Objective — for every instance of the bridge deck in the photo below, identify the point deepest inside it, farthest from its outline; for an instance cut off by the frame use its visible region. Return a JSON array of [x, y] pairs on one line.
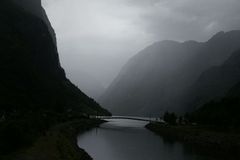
[[145, 119]]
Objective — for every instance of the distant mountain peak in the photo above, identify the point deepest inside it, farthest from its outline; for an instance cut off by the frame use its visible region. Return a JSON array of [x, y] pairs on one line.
[[160, 77], [220, 35], [217, 35]]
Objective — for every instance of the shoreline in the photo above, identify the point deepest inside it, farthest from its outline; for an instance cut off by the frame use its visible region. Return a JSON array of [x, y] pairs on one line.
[[59, 143], [200, 139]]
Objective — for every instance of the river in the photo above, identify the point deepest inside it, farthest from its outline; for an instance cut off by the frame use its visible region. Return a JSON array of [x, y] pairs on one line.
[[129, 140]]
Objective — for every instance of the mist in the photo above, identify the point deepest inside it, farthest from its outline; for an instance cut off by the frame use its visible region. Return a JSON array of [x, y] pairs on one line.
[[96, 38]]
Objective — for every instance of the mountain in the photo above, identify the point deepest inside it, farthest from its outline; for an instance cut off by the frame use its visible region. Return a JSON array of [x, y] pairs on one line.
[[155, 80], [214, 83], [32, 6], [34, 91], [223, 112], [32, 78], [87, 83]]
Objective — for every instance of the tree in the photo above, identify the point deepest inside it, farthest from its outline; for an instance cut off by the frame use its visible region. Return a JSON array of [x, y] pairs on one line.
[[170, 118]]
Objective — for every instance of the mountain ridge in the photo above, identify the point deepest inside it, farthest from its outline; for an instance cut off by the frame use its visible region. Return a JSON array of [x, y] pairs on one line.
[[215, 82], [153, 80]]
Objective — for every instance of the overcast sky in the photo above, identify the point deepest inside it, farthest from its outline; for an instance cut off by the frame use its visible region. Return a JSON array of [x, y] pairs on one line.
[[97, 37]]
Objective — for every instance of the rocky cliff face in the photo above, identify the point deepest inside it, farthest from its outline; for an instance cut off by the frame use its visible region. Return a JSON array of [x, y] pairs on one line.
[[31, 75], [35, 7], [34, 91], [31, 6]]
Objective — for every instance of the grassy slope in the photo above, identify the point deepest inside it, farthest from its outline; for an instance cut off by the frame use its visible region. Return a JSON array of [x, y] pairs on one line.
[[59, 143]]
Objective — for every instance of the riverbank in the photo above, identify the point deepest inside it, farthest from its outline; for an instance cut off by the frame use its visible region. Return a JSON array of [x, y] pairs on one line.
[[203, 139], [59, 143]]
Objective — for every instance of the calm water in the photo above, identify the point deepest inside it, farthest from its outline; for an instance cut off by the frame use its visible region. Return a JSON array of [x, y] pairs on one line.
[[129, 140]]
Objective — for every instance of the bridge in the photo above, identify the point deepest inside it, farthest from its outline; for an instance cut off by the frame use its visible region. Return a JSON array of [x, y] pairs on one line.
[[145, 119]]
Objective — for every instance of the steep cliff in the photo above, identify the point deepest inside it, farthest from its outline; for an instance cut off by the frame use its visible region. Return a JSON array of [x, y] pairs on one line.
[[31, 75], [34, 91]]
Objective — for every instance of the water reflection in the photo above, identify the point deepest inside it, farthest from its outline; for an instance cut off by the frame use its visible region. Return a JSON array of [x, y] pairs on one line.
[[129, 140]]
